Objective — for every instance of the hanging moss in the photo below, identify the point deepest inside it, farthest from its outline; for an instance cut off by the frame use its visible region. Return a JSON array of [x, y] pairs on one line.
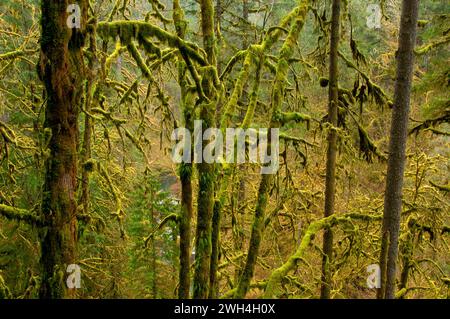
[[373, 90], [367, 147]]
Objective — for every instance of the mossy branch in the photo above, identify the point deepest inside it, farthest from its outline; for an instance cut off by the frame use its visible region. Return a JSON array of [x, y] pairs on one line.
[[241, 80], [240, 55], [248, 118], [377, 92], [443, 188], [15, 54], [172, 217], [114, 55], [294, 139], [430, 123], [258, 285], [140, 61], [274, 287], [139, 30], [432, 45], [286, 117], [20, 215]]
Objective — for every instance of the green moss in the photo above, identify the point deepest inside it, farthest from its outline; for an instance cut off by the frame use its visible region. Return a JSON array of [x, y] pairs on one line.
[[141, 31], [274, 287], [241, 80], [18, 214]]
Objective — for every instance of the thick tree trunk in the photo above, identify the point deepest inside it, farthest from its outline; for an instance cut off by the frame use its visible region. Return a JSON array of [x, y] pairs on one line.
[[203, 245], [330, 184], [60, 63], [397, 149]]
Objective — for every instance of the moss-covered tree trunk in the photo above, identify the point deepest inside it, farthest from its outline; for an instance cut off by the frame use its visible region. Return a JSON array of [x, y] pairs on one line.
[[397, 149], [185, 169], [255, 239], [330, 184], [203, 246], [87, 134], [282, 68], [60, 64], [215, 247]]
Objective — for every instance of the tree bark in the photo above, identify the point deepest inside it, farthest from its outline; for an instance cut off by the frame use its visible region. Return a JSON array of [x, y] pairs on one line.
[[61, 62], [286, 52], [330, 183], [185, 170], [87, 134], [203, 245], [397, 149]]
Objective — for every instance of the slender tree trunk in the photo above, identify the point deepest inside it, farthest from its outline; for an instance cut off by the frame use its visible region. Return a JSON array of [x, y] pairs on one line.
[[215, 239], [217, 208], [89, 100], [203, 245], [407, 256], [245, 12], [185, 170], [255, 239], [185, 232], [60, 63], [397, 149], [242, 168], [238, 209], [330, 184], [286, 53], [153, 245]]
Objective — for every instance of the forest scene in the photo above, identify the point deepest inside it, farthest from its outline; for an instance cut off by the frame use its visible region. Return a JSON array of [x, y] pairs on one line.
[[224, 149]]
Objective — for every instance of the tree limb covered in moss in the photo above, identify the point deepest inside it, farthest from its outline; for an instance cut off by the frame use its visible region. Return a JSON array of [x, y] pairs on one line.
[[377, 92], [138, 30], [15, 54], [273, 289], [20, 215], [282, 68], [424, 49], [427, 124], [286, 117], [444, 188], [258, 285], [172, 217], [294, 139]]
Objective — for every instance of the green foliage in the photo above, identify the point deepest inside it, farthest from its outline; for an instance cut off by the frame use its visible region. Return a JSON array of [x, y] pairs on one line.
[[149, 265]]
